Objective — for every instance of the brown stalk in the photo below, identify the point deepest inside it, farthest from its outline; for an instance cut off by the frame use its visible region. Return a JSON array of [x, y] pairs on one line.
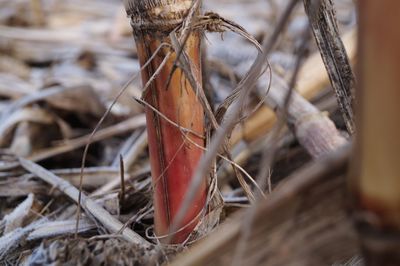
[[375, 182], [323, 22], [173, 158]]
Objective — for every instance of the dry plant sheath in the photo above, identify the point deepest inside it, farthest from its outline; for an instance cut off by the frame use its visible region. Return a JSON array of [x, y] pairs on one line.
[[376, 179], [324, 25], [173, 157]]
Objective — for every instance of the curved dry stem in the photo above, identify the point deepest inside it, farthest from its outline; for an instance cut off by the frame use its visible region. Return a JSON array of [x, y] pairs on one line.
[[234, 164]]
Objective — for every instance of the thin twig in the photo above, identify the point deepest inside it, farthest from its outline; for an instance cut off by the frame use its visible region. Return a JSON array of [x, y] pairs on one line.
[[122, 171], [93, 210]]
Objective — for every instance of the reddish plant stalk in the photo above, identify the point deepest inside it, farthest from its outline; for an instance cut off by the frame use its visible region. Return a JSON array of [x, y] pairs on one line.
[[174, 154]]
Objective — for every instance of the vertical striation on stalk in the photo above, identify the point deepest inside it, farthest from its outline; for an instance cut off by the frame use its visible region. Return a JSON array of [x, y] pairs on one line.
[[174, 154], [375, 181], [323, 22]]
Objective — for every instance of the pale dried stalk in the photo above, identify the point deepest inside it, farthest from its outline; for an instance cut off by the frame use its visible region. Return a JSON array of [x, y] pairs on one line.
[[59, 228], [16, 218], [40, 229], [313, 129], [91, 208]]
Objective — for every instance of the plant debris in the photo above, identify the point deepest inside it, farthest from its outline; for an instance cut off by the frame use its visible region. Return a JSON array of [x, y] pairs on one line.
[[62, 65]]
